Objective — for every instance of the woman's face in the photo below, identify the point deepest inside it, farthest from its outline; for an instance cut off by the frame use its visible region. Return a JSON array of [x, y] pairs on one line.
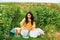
[[29, 15]]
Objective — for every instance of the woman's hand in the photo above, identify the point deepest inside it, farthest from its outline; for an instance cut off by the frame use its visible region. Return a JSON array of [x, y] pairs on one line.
[[21, 29], [30, 29]]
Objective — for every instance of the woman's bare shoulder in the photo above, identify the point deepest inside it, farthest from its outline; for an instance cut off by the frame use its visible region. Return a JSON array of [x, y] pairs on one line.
[[34, 22], [24, 18]]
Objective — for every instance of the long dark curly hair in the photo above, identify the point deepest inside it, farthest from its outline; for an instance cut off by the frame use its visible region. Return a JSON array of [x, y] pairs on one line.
[[32, 18]]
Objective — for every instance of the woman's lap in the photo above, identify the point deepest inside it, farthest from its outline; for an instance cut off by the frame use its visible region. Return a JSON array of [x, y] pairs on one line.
[[33, 33], [36, 32]]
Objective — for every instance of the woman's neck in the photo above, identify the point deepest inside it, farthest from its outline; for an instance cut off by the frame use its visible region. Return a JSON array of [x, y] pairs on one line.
[[29, 19]]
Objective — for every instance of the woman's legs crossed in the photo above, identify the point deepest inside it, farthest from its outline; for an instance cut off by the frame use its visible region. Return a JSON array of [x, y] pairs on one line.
[[36, 32]]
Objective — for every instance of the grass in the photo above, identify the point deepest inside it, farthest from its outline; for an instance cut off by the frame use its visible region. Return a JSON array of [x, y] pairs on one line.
[[51, 33], [21, 38]]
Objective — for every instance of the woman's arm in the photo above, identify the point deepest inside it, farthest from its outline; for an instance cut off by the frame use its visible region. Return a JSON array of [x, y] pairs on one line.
[[33, 26], [22, 23]]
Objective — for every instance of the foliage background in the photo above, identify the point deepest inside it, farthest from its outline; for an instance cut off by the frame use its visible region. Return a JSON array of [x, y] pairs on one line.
[[47, 17]]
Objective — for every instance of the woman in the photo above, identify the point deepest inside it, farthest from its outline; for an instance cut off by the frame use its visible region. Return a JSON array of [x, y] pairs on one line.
[[28, 27]]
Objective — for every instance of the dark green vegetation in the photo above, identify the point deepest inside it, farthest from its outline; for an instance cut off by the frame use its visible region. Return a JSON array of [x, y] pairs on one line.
[[47, 17]]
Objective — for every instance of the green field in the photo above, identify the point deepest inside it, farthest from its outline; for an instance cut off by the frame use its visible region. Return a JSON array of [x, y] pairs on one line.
[[47, 17]]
